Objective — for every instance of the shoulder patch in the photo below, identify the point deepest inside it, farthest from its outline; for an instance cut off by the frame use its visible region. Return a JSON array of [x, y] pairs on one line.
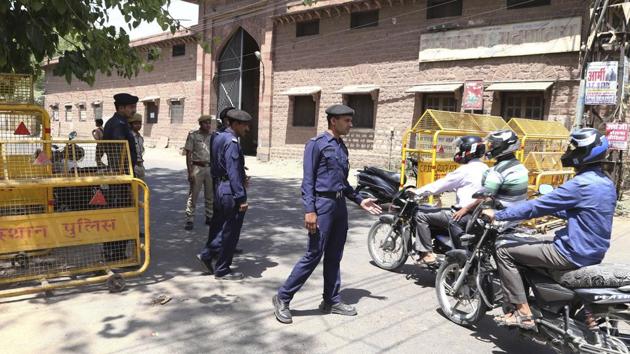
[[234, 140]]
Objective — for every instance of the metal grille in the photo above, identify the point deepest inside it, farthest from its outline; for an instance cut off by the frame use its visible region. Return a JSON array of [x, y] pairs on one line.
[[540, 128], [230, 72], [23, 160], [456, 121], [67, 260], [15, 88], [543, 161], [20, 125], [545, 145]]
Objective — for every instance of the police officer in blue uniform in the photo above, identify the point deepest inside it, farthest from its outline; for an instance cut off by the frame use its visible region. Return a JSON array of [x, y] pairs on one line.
[[324, 189], [230, 195]]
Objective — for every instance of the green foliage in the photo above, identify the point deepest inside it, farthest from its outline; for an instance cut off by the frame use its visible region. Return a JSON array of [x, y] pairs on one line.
[[35, 31]]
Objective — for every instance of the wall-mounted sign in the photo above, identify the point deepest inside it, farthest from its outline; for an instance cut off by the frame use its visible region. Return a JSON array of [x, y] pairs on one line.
[[473, 95], [617, 134], [525, 38], [601, 83]]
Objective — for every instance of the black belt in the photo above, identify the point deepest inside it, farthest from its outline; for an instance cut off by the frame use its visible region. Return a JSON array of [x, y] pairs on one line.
[[201, 164], [330, 195]]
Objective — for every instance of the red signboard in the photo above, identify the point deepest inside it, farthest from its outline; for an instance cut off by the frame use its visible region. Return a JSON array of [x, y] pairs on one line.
[[617, 134], [473, 95]]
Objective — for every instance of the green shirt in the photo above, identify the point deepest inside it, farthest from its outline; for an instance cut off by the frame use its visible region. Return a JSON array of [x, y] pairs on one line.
[[507, 181]]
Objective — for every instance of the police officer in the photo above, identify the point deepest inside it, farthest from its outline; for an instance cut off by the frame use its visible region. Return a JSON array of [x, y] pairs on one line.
[[231, 195], [324, 187], [216, 145], [197, 149], [117, 128]]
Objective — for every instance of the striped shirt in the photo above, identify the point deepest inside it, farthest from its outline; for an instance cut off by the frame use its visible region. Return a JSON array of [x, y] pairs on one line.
[[507, 181]]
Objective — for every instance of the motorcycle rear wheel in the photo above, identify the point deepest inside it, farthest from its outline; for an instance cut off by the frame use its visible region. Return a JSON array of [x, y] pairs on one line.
[[386, 246], [468, 293]]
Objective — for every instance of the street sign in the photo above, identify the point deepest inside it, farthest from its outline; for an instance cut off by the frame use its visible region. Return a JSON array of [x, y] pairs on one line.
[[617, 134], [473, 95], [601, 83]]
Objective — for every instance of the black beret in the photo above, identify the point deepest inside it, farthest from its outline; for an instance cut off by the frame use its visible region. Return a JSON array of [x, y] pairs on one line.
[[237, 114], [125, 98], [223, 113], [339, 110]]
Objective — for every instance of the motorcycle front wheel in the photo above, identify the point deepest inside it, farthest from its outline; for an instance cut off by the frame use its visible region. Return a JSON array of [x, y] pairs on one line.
[[386, 246], [466, 307]]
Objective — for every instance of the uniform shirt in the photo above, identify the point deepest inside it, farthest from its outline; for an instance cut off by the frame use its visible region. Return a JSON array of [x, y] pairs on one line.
[[507, 180], [465, 181], [117, 128], [326, 169], [230, 164], [216, 145], [139, 143], [588, 203], [198, 144]]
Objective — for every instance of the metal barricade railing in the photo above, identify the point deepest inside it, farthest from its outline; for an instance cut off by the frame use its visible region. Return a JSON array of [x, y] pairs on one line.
[[69, 208], [539, 136], [431, 141]]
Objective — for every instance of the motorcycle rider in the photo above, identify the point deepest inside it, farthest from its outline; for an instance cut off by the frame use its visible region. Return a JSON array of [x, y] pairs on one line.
[[588, 203], [507, 180], [465, 181]]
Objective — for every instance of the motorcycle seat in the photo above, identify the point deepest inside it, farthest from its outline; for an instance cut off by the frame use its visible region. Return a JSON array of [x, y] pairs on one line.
[[595, 276], [389, 176]]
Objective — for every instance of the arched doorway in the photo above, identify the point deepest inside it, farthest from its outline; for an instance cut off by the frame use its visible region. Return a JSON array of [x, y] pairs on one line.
[[238, 82]]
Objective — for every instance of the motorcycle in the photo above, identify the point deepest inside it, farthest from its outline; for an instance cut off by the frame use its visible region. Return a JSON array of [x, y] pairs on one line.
[[576, 311], [380, 184], [391, 239]]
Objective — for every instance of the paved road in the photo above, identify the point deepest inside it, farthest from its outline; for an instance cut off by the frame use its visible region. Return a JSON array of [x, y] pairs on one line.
[[397, 311]]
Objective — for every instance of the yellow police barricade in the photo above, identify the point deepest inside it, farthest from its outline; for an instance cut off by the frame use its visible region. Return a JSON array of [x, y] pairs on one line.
[[539, 136], [431, 141], [65, 219]]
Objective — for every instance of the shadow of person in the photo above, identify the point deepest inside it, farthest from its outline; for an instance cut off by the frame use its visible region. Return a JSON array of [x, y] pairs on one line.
[[304, 313], [352, 296], [253, 266]]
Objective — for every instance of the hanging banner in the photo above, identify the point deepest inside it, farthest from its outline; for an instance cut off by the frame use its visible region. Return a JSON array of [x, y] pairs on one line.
[[617, 134], [473, 95], [601, 83]]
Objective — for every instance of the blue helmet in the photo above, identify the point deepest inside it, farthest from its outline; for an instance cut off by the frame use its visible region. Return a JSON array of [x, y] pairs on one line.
[[586, 146]]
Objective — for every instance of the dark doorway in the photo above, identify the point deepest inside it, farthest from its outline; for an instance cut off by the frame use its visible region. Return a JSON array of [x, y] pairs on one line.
[[238, 82]]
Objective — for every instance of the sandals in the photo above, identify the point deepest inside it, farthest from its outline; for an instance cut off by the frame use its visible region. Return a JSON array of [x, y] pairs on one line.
[[421, 260], [516, 320]]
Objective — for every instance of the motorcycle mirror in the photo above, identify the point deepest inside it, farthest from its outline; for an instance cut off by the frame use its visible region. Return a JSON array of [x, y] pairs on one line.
[[72, 135], [545, 189]]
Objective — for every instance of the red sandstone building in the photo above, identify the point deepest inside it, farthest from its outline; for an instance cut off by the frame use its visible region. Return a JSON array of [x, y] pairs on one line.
[[388, 59]]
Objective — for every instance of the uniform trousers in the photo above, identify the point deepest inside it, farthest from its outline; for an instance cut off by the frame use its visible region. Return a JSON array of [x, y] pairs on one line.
[[327, 242], [230, 220], [202, 179]]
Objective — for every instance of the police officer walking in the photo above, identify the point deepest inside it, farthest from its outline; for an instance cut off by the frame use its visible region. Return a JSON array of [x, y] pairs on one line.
[[198, 164], [231, 195], [324, 189]]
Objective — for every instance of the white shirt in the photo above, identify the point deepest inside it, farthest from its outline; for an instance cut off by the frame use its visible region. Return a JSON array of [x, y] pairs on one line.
[[465, 181]]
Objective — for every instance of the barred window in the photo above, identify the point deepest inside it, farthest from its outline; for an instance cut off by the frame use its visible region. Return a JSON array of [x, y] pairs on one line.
[[442, 102], [523, 105], [304, 109], [444, 8], [363, 105], [307, 28], [364, 19], [177, 111]]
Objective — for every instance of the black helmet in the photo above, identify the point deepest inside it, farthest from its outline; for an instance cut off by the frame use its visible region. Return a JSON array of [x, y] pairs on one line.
[[467, 148], [586, 146], [501, 142]]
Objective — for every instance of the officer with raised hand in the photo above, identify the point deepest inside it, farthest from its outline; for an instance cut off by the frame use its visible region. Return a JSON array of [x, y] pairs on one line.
[[231, 196], [324, 189]]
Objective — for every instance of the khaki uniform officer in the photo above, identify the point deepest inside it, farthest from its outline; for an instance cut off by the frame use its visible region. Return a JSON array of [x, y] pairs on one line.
[[198, 163]]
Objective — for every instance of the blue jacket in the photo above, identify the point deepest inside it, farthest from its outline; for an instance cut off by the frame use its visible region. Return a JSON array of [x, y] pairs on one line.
[[117, 128], [326, 169], [230, 165], [588, 203]]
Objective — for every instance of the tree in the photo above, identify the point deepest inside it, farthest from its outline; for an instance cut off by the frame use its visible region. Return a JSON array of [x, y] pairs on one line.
[[75, 32]]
